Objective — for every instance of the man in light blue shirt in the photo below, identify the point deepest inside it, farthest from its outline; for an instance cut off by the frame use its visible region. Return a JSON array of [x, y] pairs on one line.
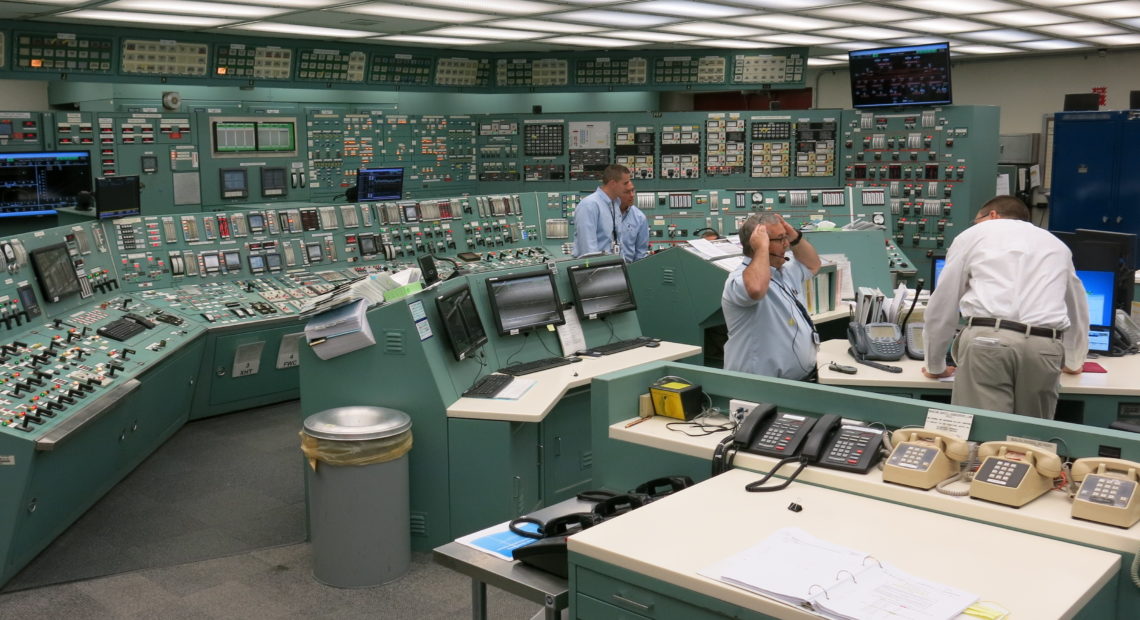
[[769, 330], [607, 218]]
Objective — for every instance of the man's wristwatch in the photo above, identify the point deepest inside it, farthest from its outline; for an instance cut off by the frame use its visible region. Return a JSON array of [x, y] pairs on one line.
[[799, 237]]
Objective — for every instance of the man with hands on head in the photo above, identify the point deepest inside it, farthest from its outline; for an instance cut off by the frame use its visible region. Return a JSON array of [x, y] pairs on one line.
[[770, 332]]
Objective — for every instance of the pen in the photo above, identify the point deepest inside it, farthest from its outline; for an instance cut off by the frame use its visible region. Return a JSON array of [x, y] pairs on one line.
[[637, 421]]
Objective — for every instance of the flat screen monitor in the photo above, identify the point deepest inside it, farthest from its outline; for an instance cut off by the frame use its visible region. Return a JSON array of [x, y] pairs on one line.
[[117, 197], [1134, 100], [1102, 250], [524, 301], [461, 321], [898, 76], [55, 272], [937, 264], [374, 184], [1082, 102], [601, 289], [235, 182], [1099, 288], [40, 183]]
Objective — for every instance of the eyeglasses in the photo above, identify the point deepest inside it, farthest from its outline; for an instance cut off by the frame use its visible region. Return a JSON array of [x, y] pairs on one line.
[[780, 239]]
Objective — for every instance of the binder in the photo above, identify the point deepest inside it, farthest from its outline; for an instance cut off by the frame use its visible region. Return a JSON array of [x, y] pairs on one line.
[[340, 331]]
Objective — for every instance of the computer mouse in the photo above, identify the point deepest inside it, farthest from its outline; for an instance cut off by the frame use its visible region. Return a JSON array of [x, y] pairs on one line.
[[653, 344]]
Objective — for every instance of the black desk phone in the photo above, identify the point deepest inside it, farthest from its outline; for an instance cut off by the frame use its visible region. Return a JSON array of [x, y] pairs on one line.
[[876, 341]]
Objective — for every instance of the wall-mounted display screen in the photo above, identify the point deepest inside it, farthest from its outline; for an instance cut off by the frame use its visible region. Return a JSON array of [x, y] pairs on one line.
[[896, 76], [374, 184], [117, 197], [600, 290], [40, 183], [55, 272], [235, 182], [235, 136], [524, 301]]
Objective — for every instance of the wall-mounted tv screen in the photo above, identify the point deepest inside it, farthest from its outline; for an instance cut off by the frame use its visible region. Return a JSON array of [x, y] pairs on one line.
[[117, 197], [461, 321], [601, 289], [898, 76], [40, 183], [524, 301], [374, 184]]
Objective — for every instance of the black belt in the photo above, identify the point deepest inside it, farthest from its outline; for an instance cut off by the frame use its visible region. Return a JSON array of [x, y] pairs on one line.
[[1047, 332]]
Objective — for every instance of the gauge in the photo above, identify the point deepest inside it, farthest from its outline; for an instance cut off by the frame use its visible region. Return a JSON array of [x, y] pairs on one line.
[[878, 218], [757, 197]]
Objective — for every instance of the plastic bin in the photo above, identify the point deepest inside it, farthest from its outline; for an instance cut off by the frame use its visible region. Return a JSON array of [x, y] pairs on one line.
[[359, 520]]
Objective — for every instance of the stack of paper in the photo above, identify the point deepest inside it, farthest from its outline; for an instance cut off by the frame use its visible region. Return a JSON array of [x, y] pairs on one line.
[[339, 331]]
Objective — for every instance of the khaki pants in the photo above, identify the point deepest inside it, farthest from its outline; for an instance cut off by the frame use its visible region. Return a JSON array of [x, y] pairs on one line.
[[1008, 371]]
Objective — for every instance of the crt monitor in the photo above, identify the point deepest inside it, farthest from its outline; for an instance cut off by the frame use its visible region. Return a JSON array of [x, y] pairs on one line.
[[461, 322], [55, 272], [524, 301], [39, 183], [374, 184], [1102, 250], [117, 197], [601, 289], [1099, 288], [903, 75]]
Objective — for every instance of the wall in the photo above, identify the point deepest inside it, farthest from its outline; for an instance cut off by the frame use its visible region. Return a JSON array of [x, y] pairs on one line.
[[23, 95], [1024, 88]]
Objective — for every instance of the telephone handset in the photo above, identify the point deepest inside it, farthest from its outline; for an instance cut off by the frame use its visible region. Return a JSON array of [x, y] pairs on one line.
[[915, 345], [1013, 473], [764, 431], [922, 458], [1108, 492]]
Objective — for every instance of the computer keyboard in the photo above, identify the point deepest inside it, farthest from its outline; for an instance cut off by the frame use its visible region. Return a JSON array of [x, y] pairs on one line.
[[620, 345], [488, 386], [526, 368], [120, 329]]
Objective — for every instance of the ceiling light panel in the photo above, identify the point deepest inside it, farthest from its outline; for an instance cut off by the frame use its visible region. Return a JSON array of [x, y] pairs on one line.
[[713, 29], [542, 26], [867, 13], [1060, 3], [613, 18], [415, 38], [1117, 39], [789, 5], [650, 36], [1082, 29], [414, 12], [868, 33], [945, 25], [212, 9], [1024, 18], [791, 38], [300, 4], [590, 41], [304, 30], [505, 34], [685, 8], [734, 44], [960, 7], [1049, 44], [796, 23], [982, 49], [510, 7], [147, 18], [1001, 36], [855, 45], [1108, 10], [824, 62]]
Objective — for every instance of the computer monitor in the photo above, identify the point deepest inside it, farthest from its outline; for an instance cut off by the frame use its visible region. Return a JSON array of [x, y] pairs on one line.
[[117, 197], [461, 321], [601, 289], [936, 265], [1102, 250], [1082, 102], [904, 75], [40, 183], [524, 301], [374, 184], [55, 272], [1134, 100], [1099, 289]]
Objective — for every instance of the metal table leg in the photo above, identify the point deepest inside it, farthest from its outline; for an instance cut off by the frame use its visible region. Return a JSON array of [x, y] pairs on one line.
[[478, 600], [552, 612]]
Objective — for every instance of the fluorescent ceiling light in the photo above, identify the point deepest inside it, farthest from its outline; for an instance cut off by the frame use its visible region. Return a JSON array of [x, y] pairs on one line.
[[798, 39], [510, 7], [304, 30], [789, 4], [212, 9], [590, 41], [1058, 2], [486, 33], [541, 25], [414, 12], [1108, 10], [1082, 29], [869, 33], [855, 45], [982, 49], [945, 25], [589, 1], [733, 44], [147, 18], [1001, 36], [916, 41], [305, 4], [960, 7], [824, 62], [1024, 18], [613, 18], [1118, 39], [797, 23], [1135, 23], [56, 1], [1049, 44], [649, 35], [868, 13], [714, 29], [685, 8], [415, 38]]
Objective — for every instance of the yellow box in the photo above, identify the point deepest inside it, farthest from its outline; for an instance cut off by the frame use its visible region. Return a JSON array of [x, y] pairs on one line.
[[676, 399]]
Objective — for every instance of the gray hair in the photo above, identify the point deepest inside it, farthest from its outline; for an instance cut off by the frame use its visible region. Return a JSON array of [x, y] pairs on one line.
[[749, 226]]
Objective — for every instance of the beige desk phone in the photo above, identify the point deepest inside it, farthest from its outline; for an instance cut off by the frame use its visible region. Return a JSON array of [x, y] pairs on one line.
[[1108, 492], [1013, 473], [922, 458]]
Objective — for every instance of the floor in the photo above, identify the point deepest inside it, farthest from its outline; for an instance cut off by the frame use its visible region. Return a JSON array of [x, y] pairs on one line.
[[212, 526]]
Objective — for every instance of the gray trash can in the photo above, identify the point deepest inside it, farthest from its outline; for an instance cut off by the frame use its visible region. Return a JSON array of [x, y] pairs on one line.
[[357, 477]]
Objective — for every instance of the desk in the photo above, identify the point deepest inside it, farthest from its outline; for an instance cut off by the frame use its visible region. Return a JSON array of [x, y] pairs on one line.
[[646, 561], [1103, 394]]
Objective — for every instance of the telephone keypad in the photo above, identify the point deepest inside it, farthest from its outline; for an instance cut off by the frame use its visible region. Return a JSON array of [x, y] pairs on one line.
[[853, 449], [1002, 472], [910, 456], [1108, 491], [780, 434]]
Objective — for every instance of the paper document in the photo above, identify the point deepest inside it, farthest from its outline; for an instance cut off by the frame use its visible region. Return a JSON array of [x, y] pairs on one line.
[[570, 334], [498, 540], [515, 389]]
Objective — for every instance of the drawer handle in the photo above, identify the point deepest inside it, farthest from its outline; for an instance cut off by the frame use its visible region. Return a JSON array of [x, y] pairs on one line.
[[621, 599]]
